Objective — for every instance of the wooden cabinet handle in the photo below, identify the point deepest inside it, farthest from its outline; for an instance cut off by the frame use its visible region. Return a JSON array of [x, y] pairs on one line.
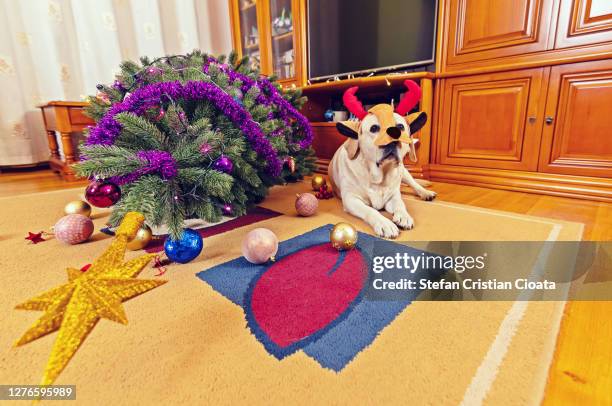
[[532, 119], [549, 120]]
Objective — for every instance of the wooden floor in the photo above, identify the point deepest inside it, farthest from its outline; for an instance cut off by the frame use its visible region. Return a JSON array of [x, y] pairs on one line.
[[581, 373]]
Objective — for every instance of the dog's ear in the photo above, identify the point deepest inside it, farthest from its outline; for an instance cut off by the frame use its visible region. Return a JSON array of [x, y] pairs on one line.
[[348, 129], [412, 151], [352, 147], [416, 121]]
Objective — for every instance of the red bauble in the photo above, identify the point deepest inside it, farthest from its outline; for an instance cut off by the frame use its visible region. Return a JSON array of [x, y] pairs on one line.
[[102, 194]]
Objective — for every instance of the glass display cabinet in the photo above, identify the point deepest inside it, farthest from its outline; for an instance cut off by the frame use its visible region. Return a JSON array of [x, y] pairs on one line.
[[272, 33]]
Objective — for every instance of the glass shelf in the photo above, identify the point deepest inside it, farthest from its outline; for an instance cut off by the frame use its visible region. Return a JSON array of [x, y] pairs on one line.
[[283, 47], [249, 29]]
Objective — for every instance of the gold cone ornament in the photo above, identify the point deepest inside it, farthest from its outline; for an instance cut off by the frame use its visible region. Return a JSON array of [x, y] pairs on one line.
[[74, 308]]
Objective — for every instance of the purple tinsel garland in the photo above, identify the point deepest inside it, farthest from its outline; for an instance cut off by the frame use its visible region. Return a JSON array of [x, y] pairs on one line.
[[161, 162], [285, 109], [108, 129]]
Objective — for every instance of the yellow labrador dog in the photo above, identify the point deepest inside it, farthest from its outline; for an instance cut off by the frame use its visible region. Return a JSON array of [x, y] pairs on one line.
[[367, 171]]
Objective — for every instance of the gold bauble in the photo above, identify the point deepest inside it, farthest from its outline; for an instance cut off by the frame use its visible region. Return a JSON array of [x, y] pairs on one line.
[[143, 237], [78, 207], [343, 236], [317, 182]]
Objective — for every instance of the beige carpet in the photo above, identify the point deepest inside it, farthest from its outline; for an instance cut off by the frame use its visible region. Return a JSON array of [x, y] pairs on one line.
[[187, 344]]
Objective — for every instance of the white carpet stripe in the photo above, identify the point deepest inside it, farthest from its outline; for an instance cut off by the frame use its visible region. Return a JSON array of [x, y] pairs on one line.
[[487, 371]]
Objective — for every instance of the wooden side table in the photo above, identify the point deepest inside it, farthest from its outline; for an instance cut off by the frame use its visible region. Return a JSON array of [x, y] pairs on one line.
[[64, 117]]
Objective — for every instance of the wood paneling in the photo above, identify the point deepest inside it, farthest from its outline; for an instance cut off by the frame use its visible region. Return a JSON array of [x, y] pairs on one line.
[[588, 188], [578, 137], [484, 29], [492, 121], [483, 36], [584, 22]]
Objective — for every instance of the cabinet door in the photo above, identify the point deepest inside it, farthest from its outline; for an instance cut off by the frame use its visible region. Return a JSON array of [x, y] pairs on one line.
[[488, 29], [246, 16], [584, 22], [577, 136], [493, 120]]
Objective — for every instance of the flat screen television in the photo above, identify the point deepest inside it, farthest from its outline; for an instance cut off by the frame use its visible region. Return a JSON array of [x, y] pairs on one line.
[[360, 36]]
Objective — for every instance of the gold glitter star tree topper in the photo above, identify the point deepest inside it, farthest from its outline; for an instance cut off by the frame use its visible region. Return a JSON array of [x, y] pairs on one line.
[[75, 307]]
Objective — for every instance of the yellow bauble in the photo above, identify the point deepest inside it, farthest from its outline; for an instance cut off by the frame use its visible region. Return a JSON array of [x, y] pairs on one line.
[[143, 237], [343, 236], [317, 182], [78, 207]]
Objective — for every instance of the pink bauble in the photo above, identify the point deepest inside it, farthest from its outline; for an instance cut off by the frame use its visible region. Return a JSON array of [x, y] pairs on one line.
[[259, 246], [102, 194], [73, 229], [306, 204]]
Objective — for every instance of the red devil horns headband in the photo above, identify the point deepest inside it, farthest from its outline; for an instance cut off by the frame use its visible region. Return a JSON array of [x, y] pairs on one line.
[[353, 104], [410, 100]]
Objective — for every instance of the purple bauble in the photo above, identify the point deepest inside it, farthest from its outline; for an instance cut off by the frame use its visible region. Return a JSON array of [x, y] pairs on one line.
[[224, 164], [227, 209], [102, 194]]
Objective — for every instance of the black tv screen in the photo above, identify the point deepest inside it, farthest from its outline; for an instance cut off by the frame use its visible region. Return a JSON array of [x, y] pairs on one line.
[[357, 36]]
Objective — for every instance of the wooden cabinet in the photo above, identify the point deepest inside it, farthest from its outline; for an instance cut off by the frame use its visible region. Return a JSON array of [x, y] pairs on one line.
[[271, 32], [486, 29], [584, 22], [577, 137], [493, 120], [492, 35], [523, 96]]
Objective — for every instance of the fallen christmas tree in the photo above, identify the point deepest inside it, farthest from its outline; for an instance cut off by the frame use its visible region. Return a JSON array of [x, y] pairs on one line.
[[193, 136]]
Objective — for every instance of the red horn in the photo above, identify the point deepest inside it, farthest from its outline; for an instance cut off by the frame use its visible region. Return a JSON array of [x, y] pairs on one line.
[[353, 104], [411, 98]]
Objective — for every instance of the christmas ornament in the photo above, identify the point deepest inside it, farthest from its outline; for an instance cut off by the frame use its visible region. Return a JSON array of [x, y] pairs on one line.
[[102, 194], [224, 164], [154, 70], [227, 209], [78, 207], [317, 182], [117, 85], [328, 115], [75, 307], [186, 248], [306, 204], [343, 236], [160, 115], [35, 238], [324, 192], [259, 246], [143, 237], [73, 229], [290, 163], [205, 148], [103, 97]]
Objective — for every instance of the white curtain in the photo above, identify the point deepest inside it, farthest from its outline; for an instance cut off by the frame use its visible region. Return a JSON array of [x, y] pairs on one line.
[[60, 50]]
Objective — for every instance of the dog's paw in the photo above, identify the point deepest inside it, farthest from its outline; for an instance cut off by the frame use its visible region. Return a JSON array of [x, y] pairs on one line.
[[403, 221], [385, 228], [428, 195]]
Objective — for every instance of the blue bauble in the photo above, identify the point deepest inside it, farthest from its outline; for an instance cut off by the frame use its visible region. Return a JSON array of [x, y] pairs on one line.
[[328, 115], [186, 248]]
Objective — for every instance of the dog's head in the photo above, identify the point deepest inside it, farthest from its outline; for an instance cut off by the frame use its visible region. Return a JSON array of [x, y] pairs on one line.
[[382, 134]]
